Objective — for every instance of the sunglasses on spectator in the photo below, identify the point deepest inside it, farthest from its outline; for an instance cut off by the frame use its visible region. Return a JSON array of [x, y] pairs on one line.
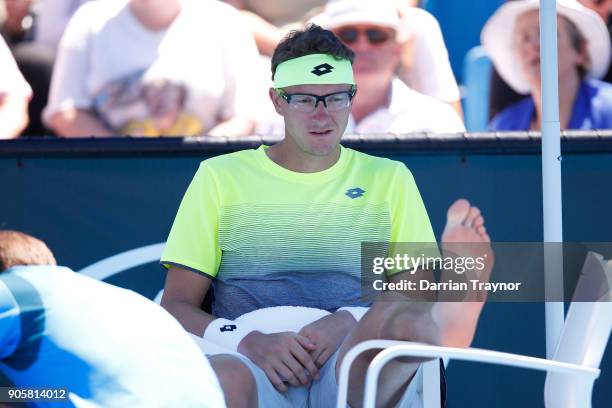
[[375, 36]]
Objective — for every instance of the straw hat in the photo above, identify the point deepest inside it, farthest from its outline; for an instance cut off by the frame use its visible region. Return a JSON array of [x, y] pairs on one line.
[[497, 36]]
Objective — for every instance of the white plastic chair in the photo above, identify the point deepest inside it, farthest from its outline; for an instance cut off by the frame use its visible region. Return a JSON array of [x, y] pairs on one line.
[[571, 373]]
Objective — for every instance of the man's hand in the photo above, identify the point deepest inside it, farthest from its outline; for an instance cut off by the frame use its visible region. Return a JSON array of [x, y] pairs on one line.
[[282, 356], [327, 334]]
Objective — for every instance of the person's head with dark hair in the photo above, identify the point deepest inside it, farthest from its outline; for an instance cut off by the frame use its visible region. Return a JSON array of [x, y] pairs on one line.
[[313, 91], [312, 40], [19, 249]]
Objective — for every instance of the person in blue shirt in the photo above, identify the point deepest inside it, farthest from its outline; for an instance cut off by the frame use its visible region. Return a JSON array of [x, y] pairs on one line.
[[511, 38], [90, 343]]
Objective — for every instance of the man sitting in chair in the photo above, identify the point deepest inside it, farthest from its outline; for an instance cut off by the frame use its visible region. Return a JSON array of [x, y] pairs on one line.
[[283, 226]]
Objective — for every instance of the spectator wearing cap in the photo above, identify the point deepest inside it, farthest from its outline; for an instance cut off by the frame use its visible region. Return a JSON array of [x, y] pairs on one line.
[[155, 68], [15, 93], [383, 102], [511, 37]]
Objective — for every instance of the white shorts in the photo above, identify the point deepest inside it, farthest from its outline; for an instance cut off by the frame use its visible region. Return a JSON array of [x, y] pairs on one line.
[[321, 393]]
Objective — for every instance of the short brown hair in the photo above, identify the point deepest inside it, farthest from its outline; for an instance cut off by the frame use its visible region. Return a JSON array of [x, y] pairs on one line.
[[312, 40], [17, 248]]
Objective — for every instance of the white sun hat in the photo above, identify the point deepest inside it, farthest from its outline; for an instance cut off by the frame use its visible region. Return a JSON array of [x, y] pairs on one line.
[[497, 37], [339, 13]]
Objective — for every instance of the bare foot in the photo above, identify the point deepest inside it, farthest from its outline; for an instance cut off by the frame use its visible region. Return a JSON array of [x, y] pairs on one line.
[[465, 236], [464, 223], [452, 320]]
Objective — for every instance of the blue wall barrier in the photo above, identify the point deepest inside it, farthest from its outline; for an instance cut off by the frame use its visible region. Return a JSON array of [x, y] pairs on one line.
[[92, 199]]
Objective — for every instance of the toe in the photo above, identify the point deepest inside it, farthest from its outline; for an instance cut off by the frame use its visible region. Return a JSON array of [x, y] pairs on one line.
[[473, 213], [478, 222], [458, 212], [481, 230]]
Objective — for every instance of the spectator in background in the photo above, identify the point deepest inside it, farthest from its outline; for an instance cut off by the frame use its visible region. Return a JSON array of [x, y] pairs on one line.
[[106, 346], [424, 65], [19, 21], [15, 94], [511, 37], [604, 9], [53, 17], [383, 102], [114, 54], [271, 20], [20, 30]]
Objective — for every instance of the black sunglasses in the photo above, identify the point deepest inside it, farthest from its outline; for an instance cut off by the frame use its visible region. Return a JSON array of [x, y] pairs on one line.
[[374, 35]]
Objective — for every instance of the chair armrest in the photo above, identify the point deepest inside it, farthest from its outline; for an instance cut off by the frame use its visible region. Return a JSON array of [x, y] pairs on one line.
[[394, 349], [466, 354]]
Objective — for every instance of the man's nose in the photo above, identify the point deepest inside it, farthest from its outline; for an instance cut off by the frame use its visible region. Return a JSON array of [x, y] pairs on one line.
[[320, 110]]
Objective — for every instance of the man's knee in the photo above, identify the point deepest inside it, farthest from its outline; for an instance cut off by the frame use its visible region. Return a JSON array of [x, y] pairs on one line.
[[235, 377]]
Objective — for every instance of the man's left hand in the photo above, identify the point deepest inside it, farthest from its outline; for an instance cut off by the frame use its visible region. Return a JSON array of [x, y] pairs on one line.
[[327, 334]]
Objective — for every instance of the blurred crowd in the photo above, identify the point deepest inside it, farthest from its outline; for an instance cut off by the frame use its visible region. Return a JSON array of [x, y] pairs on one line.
[[80, 68]]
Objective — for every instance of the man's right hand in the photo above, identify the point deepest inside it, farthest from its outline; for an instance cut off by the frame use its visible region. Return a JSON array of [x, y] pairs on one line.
[[282, 356]]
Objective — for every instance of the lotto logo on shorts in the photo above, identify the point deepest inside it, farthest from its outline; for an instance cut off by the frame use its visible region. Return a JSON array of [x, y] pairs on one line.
[[322, 69], [227, 328]]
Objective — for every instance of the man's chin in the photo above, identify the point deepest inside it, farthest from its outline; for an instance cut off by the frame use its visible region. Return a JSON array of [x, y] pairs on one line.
[[322, 150]]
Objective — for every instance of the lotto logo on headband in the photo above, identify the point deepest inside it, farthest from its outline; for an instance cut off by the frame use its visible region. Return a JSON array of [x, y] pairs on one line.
[[313, 69], [322, 69]]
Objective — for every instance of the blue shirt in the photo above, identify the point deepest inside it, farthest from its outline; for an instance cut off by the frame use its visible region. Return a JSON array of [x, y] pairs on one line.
[[592, 110], [109, 347]]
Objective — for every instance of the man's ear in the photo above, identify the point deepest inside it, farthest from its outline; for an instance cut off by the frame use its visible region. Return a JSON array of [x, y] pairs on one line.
[[277, 101]]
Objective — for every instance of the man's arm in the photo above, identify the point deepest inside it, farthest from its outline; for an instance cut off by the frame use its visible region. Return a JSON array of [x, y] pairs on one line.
[[13, 115], [236, 126], [10, 322], [15, 94], [282, 356], [183, 294], [78, 123], [267, 36]]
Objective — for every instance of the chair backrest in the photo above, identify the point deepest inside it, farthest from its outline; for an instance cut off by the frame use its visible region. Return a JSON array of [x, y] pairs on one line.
[[476, 86], [584, 337]]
